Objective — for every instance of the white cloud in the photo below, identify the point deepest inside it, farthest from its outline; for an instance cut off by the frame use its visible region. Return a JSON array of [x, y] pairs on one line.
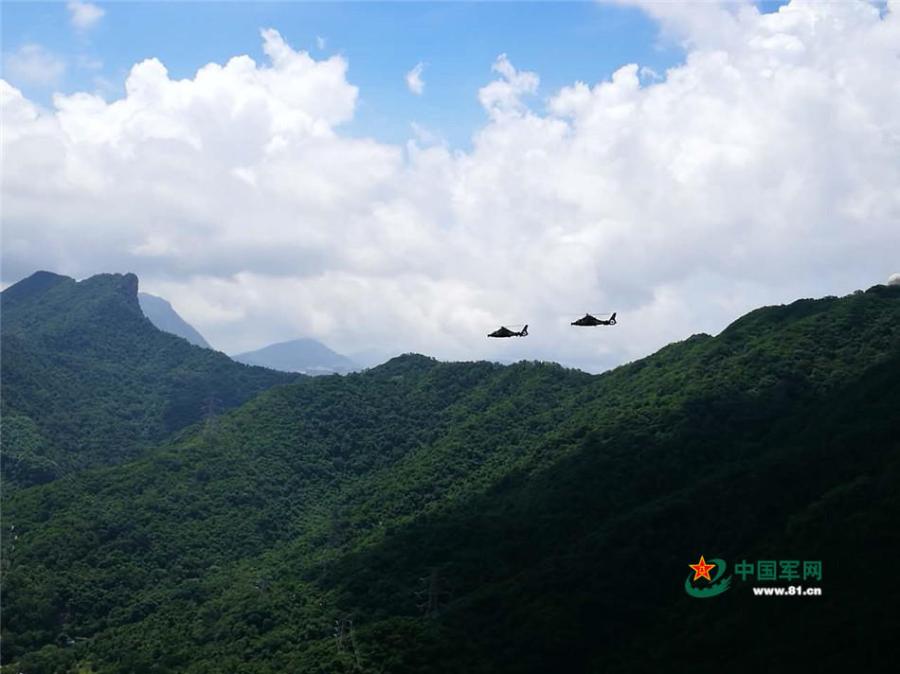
[[762, 169], [710, 24], [504, 96], [321, 42], [414, 80], [894, 280], [84, 15], [32, 64]]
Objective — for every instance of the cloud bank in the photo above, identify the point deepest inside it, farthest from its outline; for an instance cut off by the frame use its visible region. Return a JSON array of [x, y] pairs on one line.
[[763, 168]]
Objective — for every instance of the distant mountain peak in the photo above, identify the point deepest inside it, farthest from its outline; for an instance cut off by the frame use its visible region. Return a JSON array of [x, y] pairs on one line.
[[165, 318], [304, 354]]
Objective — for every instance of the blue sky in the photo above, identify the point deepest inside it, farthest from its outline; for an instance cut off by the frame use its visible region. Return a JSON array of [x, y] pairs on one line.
[[458, 42]]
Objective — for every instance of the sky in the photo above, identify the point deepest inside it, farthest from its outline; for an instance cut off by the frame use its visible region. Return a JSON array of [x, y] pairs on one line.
[[394, 177], [455, 43]]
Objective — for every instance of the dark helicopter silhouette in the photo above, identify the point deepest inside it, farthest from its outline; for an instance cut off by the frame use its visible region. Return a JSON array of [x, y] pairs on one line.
[[589, 321], [506, 332]]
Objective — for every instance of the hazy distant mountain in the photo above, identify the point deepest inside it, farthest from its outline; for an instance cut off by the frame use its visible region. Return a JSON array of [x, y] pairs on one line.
[[164, 317], [299, 355]]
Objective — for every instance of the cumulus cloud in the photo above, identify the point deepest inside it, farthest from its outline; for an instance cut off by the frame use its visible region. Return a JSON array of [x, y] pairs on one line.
[[894, 280], [414, 81], [762, 169], [33, 65], [84, 15]]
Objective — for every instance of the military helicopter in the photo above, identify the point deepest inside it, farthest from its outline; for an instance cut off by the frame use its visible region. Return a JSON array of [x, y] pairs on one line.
[[588, 321], [503, 331]]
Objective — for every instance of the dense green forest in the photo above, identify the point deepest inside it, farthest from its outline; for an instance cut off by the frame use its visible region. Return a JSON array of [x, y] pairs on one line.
[[88, 381], [471, 517]]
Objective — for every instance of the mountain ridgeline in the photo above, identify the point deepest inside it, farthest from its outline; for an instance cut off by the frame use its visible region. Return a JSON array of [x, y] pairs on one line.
[[472, 517], [87, 380]]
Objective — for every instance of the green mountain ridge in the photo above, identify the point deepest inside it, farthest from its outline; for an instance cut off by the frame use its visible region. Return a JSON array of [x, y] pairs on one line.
[[87, 379], [445, 517]]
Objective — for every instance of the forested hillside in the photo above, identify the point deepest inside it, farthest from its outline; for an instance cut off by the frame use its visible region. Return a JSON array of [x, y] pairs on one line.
[[87, 380], [472, 517]]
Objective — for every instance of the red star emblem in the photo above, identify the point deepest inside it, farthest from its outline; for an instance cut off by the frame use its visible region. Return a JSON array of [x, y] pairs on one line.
[[702, 569]]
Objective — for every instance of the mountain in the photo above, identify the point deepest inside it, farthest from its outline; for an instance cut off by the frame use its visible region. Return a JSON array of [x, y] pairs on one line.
[[87, 380], [473, 517], [164, 317], [299, 355]]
